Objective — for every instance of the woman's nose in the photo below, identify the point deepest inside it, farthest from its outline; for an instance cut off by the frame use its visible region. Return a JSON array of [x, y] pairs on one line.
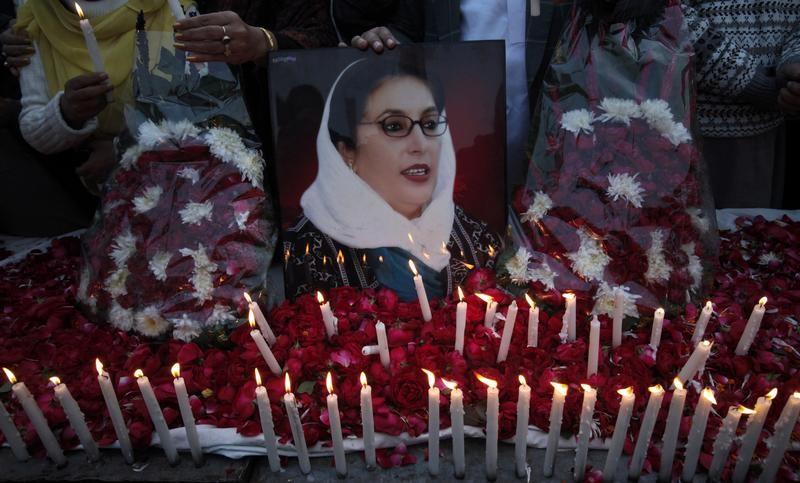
[[416, 140]]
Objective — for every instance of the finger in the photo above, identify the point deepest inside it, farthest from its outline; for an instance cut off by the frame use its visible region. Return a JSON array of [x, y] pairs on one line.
[[359, 42], [342, 44], [87, 80], [14, 71], [200, 58], [794, 88], [792, 71], [209, 48], [217, 18], [211, 32], [9, 38], [18, 50], [92, 92], [374, 41], [18, 62], [386, 37]]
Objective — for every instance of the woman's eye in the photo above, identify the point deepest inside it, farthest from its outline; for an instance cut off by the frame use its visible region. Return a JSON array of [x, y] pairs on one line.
[[393, 126], [430, 124]]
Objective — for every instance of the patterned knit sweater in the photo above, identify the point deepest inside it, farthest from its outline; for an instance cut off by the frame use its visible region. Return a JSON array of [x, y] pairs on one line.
[[740, 47]]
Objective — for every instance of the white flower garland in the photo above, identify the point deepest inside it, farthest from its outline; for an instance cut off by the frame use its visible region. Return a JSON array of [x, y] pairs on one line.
[[226, 145], [626, 187], [590, 261], [542, 203], [767, 258], [695, 265], [191, 174], [120, 317], [158, 265], [241, 219], [545, 275], [578, 121], [517, 266], [149, 322], [220, 315], [604, 301], [202, 280], [148, 199], [185, 329], [195, 213], [619, 110], [658, 270]]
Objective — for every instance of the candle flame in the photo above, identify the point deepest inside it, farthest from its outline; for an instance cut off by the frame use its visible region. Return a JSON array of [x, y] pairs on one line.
[[678, 384], [138, 373], [320, 298], [491, 251], [10, 375], [364, 259], [329, 382], [306, 249], [251, 318], [530, 301], [522, 381], [486, 298], [363, 379], [287, 384], [660, 311], [79, 11], [706, 343], [425, 255], [258, 376], [99, 366], [431, 378], [444, 248], [413, 267], [380, 258], [762, 302], [340, 257], [55, 380], [411, 238], [247, 297], [460, 294], [489, 382], [625, 392], [587, 387], [708, 306], [709, 394], [657, 389], [449, 384], [745, 410], [569, 296], [559, 388], [796, 395], [773, 393], [176, 370]]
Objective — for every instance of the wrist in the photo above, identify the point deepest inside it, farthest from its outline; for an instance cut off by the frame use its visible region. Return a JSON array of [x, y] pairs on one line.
[[260, 43], [71, 121]]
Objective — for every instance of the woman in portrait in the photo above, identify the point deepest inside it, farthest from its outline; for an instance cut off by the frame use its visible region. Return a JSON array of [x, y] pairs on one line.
[[383, 194]]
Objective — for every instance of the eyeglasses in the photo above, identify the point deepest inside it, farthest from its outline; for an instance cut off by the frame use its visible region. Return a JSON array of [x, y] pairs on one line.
[[400, 126]]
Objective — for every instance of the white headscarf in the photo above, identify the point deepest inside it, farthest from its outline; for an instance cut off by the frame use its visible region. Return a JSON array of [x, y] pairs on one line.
[[346, 208]]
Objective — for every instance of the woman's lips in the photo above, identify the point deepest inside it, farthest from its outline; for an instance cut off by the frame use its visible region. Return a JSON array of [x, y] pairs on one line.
[[418, 173]]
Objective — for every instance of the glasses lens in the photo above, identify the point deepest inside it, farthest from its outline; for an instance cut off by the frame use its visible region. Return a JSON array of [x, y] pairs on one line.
[[433, 125], [397, 126]]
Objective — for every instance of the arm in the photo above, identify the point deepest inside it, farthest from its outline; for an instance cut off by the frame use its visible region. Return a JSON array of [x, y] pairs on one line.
[[304, 25]]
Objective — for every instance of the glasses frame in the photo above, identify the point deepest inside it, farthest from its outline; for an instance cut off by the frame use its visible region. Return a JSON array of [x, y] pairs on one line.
[[382, 124]]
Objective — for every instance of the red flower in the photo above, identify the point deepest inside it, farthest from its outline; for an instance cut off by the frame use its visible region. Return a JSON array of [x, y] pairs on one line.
[[409, 389]]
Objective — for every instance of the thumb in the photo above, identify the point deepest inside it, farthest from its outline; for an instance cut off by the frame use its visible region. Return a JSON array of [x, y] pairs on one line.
[[792, 70]]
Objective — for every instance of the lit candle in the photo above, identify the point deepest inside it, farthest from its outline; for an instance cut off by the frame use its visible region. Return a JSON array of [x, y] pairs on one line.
[[584, 431], [492, 428], [433, 424], [91, 44], [36, 418], [367, 422], [594, 346], [508, 332], [724, 439], [267, 425], [299, 438], [12, 435], [336, 428], [620, 433], [260, 319], [751, 329], [697, 433], [533, 322], [327, 316], [556, 415], [646, 429], [781, 437], [114, 412], [186, 415], [617, 316], [658, 323], [383, 344], [156, 416], [461, 322], [457, 427], [521, 436], [696, 361], [670, 438], [76, 418], [177, 10], [421, 295], [263, 347], [702, 323], [752, 433], [491, 309]]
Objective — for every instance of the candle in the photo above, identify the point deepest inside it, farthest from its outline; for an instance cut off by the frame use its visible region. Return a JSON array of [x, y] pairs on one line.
[[298, 436], [186, 414], [702, 323], [697, 433], [91, 45], [260, 319], [383, 344], [367, 422], [336, 428], [781, 438], [658, 322], [556, 414], [536, 8], [177, 10], [433, 424], [584, 431], [36, 418], [461, 322], [76, 418], [491, 309], [724, 439], [12, 435], [421, 295], [750, 330], [457, 427], [114, 412], [492, 421], [570, 317], [157, 416], [751, 435], [620, 433], [328, 319], [521, 436], [617, 316], [508, 332], [267, 425], [646, 430], [594, 346], [670, 437], [696, 361], [263, 347], [533, 323]]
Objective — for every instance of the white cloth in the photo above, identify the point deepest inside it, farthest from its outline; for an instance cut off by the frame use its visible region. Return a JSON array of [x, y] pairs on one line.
[[346, 208]]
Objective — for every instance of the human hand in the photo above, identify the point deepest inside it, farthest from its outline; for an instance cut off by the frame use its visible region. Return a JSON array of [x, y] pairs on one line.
[[98, 166], [789, 96], [17, 49], [220, 37], [377, 38], [84, 98]]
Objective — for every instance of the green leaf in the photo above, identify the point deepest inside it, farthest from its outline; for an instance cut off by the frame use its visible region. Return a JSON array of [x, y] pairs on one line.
[[306, 387]]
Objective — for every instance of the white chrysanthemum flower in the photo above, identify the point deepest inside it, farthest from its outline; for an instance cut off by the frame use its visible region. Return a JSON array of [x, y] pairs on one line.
[[658, 270], [578, 121], [130, 156], [148, 199], [158, 265], [191, 174], [225, 144], [202, 279], [123, 248], [517, 266], [83, 286], [185, 329], [195, 213], [542, 203], [626, 187], [544, 274], [619, 110], [149, 322], [152, 134], [183, 130], [657, 114], [220, 315], [590, 261], [767, 258], [604, 301], [677, 134], [695, 266], [698, 220], [241, 219], [115, 283], [120, 317], [251, 166]]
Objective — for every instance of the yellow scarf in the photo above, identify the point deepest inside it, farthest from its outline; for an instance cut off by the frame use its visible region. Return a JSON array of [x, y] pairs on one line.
[[62, 47]]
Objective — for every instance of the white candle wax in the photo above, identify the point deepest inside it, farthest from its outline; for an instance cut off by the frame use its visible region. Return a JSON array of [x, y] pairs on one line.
[[157, 416], [670, 437], [521, 435], [533, 323], [419, 285], [177, 10], [187, 416], [658, 323], [584, 431], [368, 422], [76, 419], [461, 322], [115, 413], [298, 436], [267, 425], [327, 316], [457, 427], [12, 435], [433, 424], [91, 45], [724, 440], [260, 319], [383, 344], [536, 8], [620, 433], [594, 347], [781, 438], [697, 433], [570, 315], [617, 316], [508, 332], [751, 329], [491, 310], [755, 424], [556, 415], [336, 429], [702, 323], [266, 352], [646, 430], [696, 361], [492, 424]]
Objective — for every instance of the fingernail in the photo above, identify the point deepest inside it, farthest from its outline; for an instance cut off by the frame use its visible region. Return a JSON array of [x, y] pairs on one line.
[[176, 25], [191, 58], [179, 45], [31, 50], [179, 36], [376, 45], [390, 43]]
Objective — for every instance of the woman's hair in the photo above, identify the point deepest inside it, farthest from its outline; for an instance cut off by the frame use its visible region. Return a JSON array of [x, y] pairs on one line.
[[363, 77]]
